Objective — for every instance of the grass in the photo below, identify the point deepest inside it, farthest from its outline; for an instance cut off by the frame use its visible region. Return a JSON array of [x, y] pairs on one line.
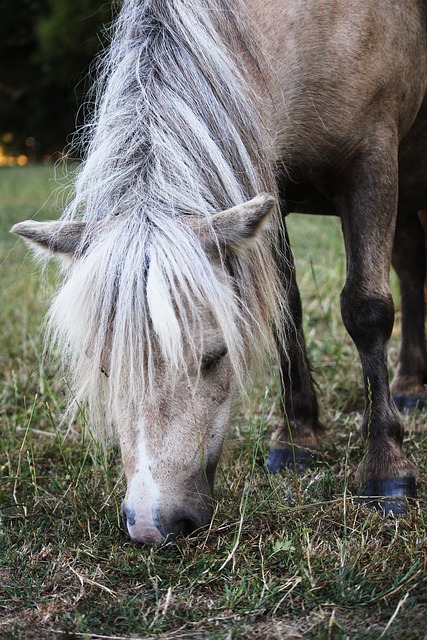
[[281, 560]]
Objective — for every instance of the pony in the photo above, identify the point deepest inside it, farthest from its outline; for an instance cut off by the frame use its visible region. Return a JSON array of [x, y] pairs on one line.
[[213, 119]]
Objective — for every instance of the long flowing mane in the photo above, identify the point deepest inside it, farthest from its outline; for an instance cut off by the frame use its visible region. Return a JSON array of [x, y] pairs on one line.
[[176, 132]]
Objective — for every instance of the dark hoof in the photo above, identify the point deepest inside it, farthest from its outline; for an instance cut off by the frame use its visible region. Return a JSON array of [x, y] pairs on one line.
[[409, 404], [389, 495], [296, 459]]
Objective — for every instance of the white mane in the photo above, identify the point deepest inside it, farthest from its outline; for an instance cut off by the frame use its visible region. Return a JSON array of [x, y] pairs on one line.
[[176, 133]]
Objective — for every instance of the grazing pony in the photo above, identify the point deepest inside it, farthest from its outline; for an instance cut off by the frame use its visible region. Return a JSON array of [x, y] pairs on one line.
[[178, 276]]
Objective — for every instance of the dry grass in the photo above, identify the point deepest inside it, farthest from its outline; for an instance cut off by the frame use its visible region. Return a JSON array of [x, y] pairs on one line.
[[283, 559]]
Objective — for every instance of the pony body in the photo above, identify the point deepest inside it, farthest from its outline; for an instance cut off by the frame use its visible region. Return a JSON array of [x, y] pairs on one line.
[[177, 273]]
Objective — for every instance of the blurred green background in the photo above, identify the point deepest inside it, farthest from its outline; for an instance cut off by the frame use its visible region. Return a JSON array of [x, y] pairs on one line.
[[46, 51]]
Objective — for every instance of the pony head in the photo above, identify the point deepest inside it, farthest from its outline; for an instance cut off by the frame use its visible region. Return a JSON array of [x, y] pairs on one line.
[[158, 327]]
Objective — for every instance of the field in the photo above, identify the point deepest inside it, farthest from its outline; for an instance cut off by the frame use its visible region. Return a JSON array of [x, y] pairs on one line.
[[284, 558]]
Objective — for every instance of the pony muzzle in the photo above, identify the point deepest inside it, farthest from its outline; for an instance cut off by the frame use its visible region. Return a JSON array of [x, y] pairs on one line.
[[157, 529]]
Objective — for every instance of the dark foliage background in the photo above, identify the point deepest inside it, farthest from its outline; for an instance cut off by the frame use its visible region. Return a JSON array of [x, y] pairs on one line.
[[46, 49]]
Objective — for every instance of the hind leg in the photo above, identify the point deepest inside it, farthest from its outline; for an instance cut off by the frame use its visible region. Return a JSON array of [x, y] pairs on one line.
[[297, 438], [409, 262]]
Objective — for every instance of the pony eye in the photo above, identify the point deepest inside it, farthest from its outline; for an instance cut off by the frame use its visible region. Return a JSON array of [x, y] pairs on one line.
[[210, 360]]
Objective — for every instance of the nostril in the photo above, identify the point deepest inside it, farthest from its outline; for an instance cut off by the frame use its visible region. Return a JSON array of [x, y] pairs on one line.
[[128, 517]]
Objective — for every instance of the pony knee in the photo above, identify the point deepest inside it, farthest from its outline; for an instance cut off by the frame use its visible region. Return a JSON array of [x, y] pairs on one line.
[[368, 319]]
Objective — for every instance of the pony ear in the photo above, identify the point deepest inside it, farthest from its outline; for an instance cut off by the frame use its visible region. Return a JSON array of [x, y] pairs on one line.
[[57, 239], [236, 227], [243, 221]]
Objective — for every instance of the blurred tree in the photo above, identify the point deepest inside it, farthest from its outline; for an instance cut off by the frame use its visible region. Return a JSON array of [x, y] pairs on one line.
[[17, 73], [48, 46], [69, 36]]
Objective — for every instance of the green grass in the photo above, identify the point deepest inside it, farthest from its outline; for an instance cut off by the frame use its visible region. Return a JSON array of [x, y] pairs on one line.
[[282, 559]]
